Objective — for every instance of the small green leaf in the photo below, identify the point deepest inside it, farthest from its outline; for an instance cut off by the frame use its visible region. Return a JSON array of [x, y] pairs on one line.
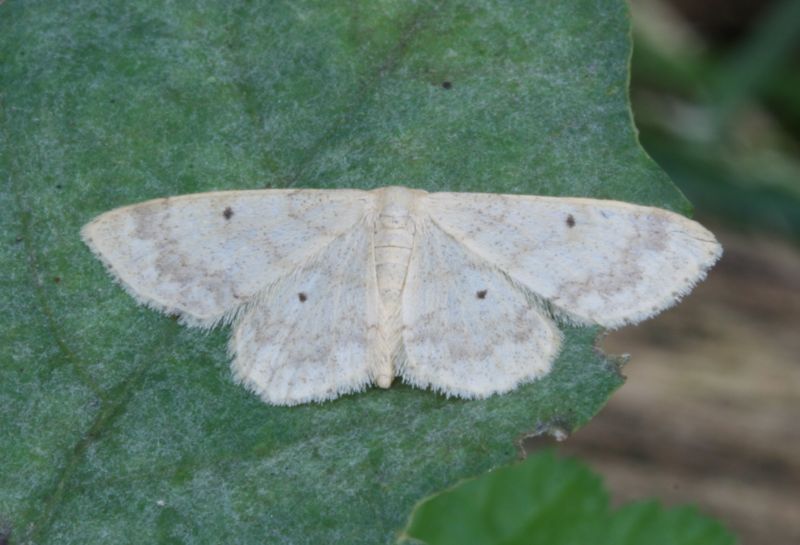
[[548, 501], [118, 425]]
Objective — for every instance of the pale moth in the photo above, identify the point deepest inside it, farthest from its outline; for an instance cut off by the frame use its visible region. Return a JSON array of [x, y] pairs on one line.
[[330, 291]]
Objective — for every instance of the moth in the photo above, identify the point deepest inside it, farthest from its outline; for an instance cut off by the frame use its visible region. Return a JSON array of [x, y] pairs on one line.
[[330, 291]]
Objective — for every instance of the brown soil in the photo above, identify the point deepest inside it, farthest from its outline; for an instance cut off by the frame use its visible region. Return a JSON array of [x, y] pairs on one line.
[[710, 412]]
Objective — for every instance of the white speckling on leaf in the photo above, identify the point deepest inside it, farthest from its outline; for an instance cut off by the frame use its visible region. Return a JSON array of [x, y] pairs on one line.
[[330, 291]]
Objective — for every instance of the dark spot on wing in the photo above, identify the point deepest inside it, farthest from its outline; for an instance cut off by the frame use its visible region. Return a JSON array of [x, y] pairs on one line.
[[447, 84], [59, 186], [175, 317], [481, 294], [227, 213], [302, 296], [570, 221], [57, 279]]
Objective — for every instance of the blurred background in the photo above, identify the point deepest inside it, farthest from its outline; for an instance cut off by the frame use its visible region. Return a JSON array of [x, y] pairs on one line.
[[710, 413]]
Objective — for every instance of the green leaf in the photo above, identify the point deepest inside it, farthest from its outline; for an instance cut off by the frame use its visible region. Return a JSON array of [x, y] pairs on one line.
[[548, 501], [118, 425]]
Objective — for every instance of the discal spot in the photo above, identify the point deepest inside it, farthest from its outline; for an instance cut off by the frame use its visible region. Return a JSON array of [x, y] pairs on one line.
[[481, 294], [447, 85], [227, 213], [302, 296], [570, 221], [57, 279]]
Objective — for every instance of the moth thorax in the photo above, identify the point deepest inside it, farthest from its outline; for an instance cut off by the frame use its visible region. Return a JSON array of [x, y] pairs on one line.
[[394, 238]]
